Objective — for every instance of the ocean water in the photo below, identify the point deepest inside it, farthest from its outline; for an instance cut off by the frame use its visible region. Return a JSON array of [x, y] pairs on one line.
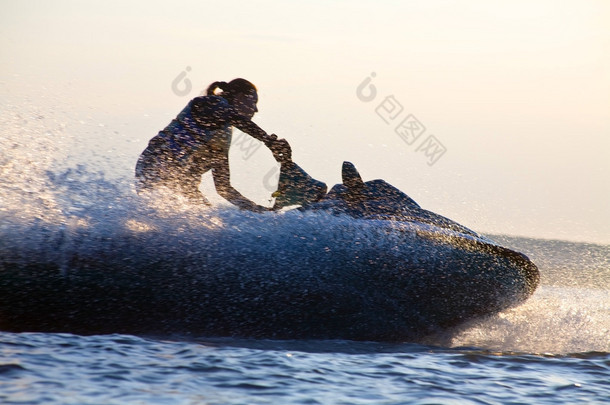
[[117, 369], [555, 348]]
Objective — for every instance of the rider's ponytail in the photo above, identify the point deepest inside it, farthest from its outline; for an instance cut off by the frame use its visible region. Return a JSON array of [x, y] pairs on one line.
[[222, 86], [231, 89]]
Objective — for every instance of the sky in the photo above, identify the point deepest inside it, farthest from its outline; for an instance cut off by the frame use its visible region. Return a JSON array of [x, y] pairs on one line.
[[493, 113]]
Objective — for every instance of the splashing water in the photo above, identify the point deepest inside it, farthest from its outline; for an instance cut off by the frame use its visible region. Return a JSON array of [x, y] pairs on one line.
[[554, 320], [51, 198], [570, 311]]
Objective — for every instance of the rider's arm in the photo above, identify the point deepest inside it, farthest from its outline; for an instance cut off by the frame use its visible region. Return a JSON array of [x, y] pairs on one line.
[[214, 113], [279, 147], [250, 128]]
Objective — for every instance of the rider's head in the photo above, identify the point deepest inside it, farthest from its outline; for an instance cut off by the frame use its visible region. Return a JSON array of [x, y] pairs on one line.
[[240, 93]]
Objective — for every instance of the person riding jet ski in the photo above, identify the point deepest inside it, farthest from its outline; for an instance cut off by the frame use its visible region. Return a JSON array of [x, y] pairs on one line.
[[198, 141]]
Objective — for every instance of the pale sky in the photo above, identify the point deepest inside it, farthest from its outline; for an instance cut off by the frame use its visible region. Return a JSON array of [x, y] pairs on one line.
[[516, 92]]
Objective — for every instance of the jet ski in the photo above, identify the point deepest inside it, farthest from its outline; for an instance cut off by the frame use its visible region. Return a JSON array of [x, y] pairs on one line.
[[361, 262]]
